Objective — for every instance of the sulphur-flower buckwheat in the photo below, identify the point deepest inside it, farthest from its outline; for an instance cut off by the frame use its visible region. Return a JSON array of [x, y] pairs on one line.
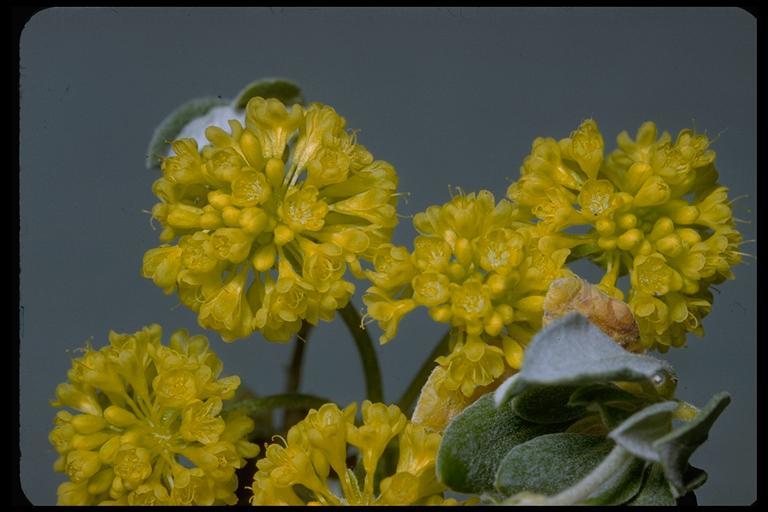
[[318, 444], [267, 219], [477, 267], [149, 428], [654, 209]]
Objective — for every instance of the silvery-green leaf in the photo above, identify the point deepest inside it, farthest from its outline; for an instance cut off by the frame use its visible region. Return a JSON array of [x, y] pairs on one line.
[[614, 404], [591, 425], [169, 128], [573, 351], [217, 116], [655, 490], [550, 463], [638, 433], [675, 448], [693, 478], [614, 416], [601, 393], [477, 439], [504, 391], [548, 404], [622, 487], [283, 90]]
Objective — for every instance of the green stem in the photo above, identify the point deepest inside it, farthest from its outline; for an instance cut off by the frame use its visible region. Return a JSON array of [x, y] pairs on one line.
[[411, 393], [371, 371], [292, 416], [267, 403], [294, 370]]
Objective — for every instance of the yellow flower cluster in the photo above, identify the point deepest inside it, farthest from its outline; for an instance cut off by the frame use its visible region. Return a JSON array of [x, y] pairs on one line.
[[297, 471], [478, 268], [148, 429], [268, 218], [653, 208]]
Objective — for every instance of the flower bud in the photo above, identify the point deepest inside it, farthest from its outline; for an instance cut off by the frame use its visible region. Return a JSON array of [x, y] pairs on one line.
[[219, 199], [654, 191], [605, 227], [101, 481], [670, 245], [661, 228], [275, 171], [629, 239], [119, 417], [253, 220], [210, 220], [264, 258], [251, 148], [90, 442], [441, 314], [463, 251], [87, 423], [626, 221], [637, 174], [606, 243], [81, 465], [183, 216], [283, 235], [231, 216]]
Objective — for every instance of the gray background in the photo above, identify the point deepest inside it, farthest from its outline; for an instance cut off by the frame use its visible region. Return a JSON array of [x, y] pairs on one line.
[[449, 96]]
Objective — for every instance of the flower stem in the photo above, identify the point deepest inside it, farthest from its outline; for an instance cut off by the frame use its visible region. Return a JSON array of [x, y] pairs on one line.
[[290, 415], [411, 393], [371, 371]]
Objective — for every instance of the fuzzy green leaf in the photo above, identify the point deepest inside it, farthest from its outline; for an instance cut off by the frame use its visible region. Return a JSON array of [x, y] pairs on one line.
[[614, 404], [601, 393], [638, 433], [547, 405], [550, 463], [172, 125], [675, 448], [477, 439], [655, 490], [573, 351], [283, 90], [624, 485]]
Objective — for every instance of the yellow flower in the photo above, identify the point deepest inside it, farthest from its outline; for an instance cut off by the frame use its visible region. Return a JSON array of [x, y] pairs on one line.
[[318, 445], [144, 408], [652, 208], [472, 365], [262, 224], [477, 266]]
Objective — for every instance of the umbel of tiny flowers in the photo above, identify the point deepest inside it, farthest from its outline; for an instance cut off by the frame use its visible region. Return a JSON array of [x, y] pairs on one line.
[[296, 470], [147, 427], [261, 224], [476, 265], [654, 209]]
